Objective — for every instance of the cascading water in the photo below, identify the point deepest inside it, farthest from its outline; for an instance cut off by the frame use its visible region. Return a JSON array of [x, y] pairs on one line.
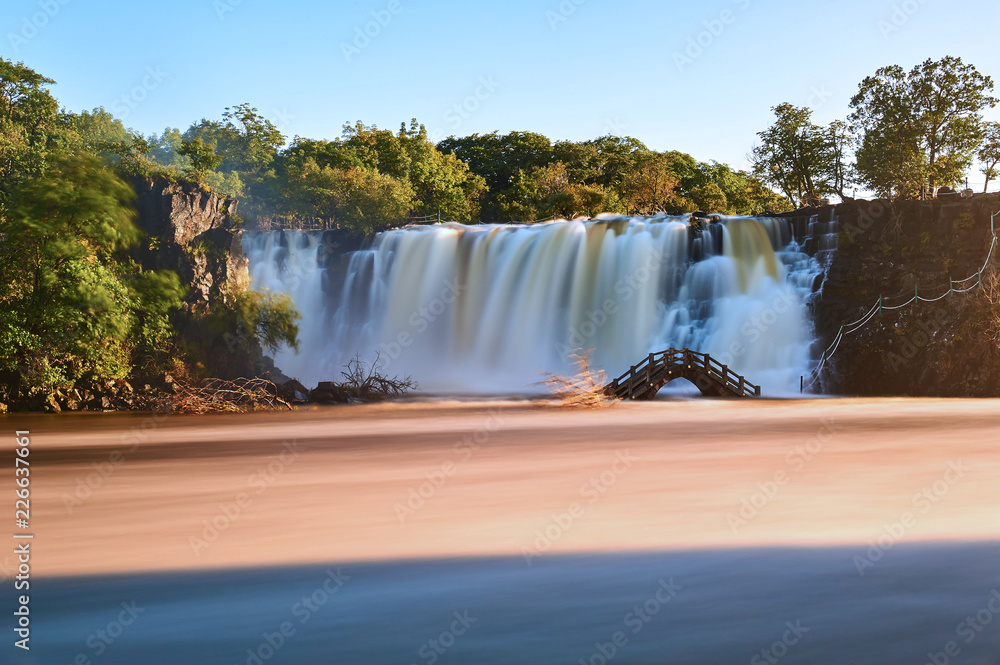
[[490, 308]]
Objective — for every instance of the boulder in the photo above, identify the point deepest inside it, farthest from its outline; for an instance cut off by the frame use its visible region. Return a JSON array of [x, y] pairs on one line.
[[328, 392], [293, 391]]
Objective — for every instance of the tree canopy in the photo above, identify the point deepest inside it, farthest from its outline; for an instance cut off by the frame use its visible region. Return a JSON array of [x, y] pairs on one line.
[[919, 130]]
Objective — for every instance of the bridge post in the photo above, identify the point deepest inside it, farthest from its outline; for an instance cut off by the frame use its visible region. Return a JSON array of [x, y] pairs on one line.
[[743, 387], [649, 373]]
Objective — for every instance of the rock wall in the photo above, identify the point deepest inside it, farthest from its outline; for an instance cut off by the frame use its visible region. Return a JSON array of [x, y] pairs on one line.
[[943, 348], [194, 233], [198, 235]]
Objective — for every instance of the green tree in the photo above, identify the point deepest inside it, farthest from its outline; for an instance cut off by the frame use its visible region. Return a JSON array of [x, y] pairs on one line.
[[919, 130], [618, 157], [989, 152], [68, 308], [202, 157], [249, 144], [29, 125], [710, 198], [795, 155], [548, 191], [164, 149], [652, 186], [358, 199]]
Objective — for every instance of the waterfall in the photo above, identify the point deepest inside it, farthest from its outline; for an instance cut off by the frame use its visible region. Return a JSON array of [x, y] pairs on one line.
[[489, 308]]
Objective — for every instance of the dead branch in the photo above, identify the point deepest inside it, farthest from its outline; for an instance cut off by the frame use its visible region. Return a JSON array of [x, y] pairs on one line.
[[585, 389], [222, 396]]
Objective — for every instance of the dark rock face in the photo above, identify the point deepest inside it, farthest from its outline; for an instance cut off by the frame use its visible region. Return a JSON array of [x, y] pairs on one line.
[[897, 250]]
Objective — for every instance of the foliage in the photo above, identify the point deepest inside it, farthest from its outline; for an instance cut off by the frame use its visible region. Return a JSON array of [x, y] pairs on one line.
[[919, 130], [263, 316], [70, 308], [547, 191], [803, 160], [989, 152], [201, 157], [248, 144], [29, 126], [651, 185]]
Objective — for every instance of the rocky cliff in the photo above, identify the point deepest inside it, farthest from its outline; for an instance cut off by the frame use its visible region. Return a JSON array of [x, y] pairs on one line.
[[195, 233], [900, 250]]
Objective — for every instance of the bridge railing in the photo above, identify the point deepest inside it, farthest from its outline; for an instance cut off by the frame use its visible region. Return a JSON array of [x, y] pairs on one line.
[[644, 372]]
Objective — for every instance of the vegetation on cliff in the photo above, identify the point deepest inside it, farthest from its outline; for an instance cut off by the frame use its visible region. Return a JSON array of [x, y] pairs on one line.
[[76, 310]]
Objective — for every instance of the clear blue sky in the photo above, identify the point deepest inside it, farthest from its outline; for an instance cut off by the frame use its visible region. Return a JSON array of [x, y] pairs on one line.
[[574, 69]]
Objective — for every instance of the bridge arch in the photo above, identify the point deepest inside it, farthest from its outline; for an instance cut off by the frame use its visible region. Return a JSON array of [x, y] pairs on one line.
[[643, 380]]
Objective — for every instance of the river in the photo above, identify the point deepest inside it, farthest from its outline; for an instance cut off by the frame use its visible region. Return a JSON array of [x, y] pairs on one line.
[[676, 531]]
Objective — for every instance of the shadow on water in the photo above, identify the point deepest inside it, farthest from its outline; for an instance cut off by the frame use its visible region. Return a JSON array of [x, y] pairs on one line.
[[807, 606]]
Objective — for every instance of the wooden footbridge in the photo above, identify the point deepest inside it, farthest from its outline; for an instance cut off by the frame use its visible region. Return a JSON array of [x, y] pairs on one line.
[[713, 379]]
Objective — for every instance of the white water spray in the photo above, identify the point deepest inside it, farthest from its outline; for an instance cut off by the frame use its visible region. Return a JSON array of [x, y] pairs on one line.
[[490, 308]]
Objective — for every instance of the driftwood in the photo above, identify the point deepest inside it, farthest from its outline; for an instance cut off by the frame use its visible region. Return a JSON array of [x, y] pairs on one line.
[[585, 389], [366, 381], [221, 396]]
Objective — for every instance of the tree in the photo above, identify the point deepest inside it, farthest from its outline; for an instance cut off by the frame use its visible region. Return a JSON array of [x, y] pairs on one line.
[[989, 151], [919, 130], [68, 307], [617, 158], [795, 155], [249, 144], [358, 199], [164, 149], [29, 125], [202, 157], [497, 159], [548, 191], [651, 186]]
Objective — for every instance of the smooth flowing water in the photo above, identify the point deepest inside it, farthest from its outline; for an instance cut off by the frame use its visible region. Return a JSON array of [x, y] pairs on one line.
[[695, 531], [490, 308]]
